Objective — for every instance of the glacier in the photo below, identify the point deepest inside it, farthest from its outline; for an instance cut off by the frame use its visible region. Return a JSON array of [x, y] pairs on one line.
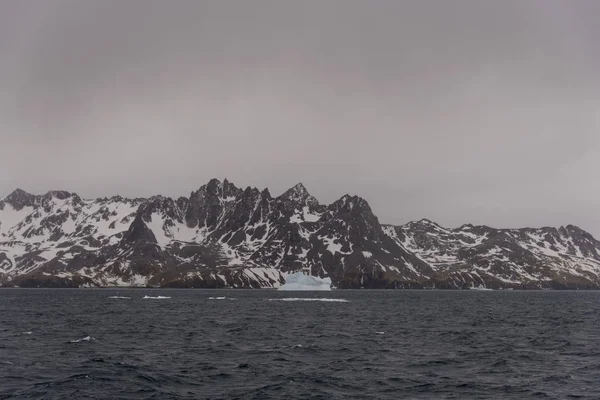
[[299, 281]]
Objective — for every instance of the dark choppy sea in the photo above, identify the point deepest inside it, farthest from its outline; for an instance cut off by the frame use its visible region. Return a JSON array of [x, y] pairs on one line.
[[238, 344]]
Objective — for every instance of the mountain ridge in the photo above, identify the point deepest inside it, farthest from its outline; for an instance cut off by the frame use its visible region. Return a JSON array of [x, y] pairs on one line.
[[225, 236]]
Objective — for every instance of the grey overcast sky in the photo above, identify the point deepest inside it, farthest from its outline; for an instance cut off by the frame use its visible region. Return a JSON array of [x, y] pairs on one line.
[[480, 111]]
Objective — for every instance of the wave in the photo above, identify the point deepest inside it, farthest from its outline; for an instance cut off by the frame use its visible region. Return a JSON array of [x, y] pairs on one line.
[[221, 298], [28, 333], [85, 339], [156, 297], [311, 299], [119, 297]]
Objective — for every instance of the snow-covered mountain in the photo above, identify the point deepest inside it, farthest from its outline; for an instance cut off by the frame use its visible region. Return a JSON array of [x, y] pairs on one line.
[[224, 236]]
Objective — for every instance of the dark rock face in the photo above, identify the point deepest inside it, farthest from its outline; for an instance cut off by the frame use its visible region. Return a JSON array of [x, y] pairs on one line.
[[138, 232], [223, 236], [20, 199], [299, 195], [206, 205]]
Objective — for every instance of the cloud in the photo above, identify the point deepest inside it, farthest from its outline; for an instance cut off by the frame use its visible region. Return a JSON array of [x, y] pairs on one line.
[[463, 111]]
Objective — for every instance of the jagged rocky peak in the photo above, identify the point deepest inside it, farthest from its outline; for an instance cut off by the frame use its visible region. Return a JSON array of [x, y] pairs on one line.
[[182, 203], [120, 199], [588, 245], [299, 194], [229, 190], [217, 190], [224, 190], [56, 197], [424, 224], [355, 210], [350, 203], [207, 203], [265, 194], [58, 194], [19, 199], [165, 206], [117, 199], [576, 231], [250, 192]]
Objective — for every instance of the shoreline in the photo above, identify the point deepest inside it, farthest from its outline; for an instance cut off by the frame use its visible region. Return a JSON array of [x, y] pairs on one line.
[[303, 291]]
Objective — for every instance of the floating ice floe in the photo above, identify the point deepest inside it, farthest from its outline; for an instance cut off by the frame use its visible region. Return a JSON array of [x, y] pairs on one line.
[[310, 299], [299, 281], [156, 297], [85, 339]]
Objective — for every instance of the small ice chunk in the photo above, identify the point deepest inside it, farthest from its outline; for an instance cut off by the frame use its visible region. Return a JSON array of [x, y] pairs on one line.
[[155, 297], [27, 333], [119, 297], [85, 339], [310, 299]]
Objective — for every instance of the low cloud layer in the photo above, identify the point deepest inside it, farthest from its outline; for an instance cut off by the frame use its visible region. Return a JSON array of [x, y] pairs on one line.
[[465, 111]]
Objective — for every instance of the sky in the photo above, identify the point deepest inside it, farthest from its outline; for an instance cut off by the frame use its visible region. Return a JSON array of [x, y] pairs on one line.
[[463, 111]]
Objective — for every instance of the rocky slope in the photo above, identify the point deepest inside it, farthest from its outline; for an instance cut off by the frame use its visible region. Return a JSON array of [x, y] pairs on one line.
[[224, 236]]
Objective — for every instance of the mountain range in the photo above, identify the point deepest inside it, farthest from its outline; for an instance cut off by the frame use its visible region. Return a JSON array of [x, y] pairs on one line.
[[225, 236]]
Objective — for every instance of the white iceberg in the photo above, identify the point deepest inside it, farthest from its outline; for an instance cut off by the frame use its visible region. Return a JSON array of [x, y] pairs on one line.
[[300, 281], [480, 287]]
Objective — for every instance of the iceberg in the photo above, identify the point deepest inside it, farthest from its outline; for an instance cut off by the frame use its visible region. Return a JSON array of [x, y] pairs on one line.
[[300, 281], [480, 287]]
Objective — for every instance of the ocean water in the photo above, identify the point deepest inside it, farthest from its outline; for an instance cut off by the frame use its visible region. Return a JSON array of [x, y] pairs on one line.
[[264, 344]]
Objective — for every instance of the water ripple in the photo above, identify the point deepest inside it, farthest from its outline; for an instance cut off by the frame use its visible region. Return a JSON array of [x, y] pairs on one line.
[[347, 345]]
